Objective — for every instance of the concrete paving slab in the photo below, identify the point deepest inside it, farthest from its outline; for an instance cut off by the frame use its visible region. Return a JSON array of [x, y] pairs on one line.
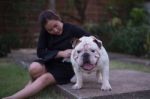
[[125, 84]]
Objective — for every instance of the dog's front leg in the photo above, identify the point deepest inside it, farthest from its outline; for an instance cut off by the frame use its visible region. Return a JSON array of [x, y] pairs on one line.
[[105, 79], [99, 76], [79, 80], [73, 79]]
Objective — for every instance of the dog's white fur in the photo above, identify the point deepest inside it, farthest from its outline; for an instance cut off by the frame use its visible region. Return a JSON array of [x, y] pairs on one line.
[[97, 56]]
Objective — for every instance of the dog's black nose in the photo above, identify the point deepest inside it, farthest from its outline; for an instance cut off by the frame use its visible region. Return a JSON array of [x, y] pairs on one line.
[[86, 58]]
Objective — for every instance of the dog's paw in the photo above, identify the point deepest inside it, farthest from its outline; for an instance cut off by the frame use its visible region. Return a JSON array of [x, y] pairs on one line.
[[76, 86], [106, 87]]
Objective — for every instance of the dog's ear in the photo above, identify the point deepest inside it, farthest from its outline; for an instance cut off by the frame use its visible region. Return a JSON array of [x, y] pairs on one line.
[[75, 42], [97, 41]]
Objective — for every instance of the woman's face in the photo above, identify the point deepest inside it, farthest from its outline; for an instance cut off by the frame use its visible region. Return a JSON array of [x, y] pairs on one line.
[[54, 27]]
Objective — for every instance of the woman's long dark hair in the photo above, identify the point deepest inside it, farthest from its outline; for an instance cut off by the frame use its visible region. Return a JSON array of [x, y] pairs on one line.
[[47, 15]]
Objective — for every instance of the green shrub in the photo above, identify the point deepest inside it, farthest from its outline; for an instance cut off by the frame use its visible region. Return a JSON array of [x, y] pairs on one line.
[[125, 28], [130, 40], [137, 14], [134, 37], [8, 42], [102, 31]]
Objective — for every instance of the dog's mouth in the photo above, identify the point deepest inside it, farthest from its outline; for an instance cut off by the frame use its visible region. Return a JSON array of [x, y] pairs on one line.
[[88, 66]]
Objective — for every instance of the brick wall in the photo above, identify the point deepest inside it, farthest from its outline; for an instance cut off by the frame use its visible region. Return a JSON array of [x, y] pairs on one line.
[[21, 16], [94, 11]]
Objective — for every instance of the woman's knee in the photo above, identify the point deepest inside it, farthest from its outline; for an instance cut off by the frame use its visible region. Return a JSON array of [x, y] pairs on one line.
[[36, 69]]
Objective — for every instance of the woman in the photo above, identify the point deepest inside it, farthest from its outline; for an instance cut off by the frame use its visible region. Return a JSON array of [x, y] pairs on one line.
[[53, 46]]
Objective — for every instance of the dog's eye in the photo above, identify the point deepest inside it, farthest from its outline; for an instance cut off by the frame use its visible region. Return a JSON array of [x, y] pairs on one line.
[[78, 51], [92, 50]]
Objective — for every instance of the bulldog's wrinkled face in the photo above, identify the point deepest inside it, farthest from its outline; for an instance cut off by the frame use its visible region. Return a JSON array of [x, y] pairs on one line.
[[87, 52]]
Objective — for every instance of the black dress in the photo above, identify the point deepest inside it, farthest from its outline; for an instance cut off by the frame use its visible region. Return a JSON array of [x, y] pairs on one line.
[[48, 47]]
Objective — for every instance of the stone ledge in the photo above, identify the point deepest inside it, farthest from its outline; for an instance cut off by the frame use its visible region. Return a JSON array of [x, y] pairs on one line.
[[125, 84]]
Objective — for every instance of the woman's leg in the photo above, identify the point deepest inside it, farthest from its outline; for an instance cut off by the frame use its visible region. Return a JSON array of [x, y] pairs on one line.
[[42, 79], [35, 70], [40, 83]]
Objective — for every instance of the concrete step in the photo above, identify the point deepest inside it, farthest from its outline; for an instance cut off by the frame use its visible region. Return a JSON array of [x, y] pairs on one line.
[[126, 84]]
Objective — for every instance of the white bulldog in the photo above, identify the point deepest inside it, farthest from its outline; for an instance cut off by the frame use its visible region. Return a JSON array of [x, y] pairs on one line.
[[88, 56]]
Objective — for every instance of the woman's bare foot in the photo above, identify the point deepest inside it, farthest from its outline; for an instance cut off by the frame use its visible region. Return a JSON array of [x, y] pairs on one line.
[[9, 97]]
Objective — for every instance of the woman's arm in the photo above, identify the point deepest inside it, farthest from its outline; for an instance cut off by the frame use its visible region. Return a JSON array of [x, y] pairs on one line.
[[42, 48], [46, 54], [64, 54]]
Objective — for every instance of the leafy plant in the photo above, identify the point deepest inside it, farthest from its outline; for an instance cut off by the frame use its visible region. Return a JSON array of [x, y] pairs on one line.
[[138, 16], [129, 40], [7, 42]]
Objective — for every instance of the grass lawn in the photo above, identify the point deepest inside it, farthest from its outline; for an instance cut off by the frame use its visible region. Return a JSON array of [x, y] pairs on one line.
[[13, 78]]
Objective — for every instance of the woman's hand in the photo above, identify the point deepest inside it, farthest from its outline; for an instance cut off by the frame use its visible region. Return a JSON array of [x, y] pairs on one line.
[[65, 53]]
